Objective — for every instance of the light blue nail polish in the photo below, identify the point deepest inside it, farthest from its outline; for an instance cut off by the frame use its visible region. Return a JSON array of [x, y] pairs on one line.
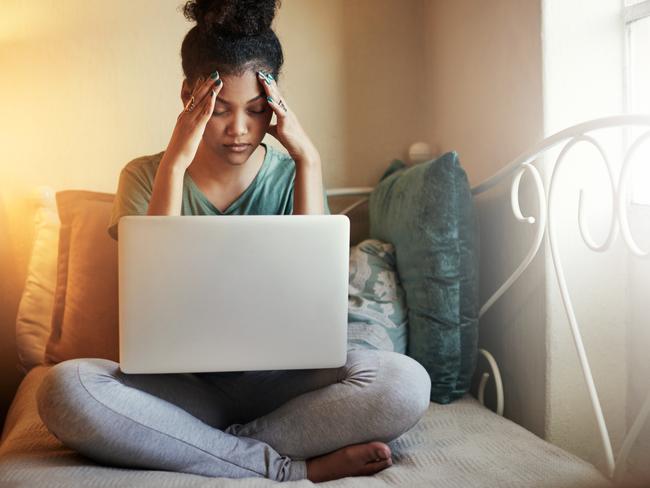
[[269, 99]]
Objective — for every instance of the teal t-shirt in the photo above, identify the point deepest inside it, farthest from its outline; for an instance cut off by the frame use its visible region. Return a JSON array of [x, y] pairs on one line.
[[270, 193]]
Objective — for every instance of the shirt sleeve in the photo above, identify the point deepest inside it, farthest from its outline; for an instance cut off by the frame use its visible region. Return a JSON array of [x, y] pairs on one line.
[[132, 197]]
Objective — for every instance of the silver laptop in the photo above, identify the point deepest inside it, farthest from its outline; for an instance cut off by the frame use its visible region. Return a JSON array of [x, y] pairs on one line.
[[232, 293]]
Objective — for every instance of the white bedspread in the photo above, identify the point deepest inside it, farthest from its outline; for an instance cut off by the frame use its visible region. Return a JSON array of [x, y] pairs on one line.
[[458, 445]]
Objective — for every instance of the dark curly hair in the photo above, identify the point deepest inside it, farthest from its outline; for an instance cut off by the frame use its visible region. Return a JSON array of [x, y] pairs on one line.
[[232, 36]]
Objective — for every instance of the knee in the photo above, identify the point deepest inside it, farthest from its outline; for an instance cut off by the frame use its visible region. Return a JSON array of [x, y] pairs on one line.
[[63, 400], [404, 392]]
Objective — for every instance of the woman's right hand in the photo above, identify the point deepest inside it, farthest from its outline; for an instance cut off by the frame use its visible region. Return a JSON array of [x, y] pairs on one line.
[[190, 125]]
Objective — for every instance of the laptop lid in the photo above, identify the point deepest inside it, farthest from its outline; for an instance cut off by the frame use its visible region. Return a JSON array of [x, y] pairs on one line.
[[232, 293]]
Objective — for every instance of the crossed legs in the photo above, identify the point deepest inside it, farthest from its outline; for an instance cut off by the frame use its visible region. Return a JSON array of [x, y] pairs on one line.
[[258, 423]]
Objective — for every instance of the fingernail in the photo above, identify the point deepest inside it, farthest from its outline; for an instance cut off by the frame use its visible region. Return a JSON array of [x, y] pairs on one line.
[[269, 99], [266, 76], [214, 75], [218, 82]]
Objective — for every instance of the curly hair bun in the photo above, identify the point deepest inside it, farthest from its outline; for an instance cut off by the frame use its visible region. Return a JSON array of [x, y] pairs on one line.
[[231, 17]]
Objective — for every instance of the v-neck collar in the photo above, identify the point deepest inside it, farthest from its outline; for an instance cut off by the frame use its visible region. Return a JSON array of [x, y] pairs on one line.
[[234, 205]]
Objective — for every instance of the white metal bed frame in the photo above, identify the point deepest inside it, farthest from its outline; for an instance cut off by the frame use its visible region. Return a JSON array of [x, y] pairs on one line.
[[545, 224]]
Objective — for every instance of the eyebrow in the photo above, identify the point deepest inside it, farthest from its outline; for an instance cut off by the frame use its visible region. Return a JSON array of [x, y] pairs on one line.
[[261, 95]]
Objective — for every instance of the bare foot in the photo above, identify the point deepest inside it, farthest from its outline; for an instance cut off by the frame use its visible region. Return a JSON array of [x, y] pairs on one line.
[[354, 460]]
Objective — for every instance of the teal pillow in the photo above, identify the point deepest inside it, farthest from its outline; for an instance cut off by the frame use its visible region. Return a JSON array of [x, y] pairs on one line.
[[377, 314], [426, 211]]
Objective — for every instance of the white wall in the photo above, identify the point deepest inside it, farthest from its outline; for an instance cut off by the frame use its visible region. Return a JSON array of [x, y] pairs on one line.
[[483, 99], [483, 80], [583, 69], [384, 83], [500, 76], [638, 340]]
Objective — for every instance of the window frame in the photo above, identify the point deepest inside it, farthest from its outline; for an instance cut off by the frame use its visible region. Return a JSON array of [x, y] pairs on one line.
[[630, 14]]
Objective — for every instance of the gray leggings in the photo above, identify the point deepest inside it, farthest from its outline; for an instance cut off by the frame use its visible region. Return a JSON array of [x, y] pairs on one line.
[[235, 425]]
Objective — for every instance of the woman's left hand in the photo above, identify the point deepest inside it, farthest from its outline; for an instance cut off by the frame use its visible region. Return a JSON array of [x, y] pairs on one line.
[[287, 130]]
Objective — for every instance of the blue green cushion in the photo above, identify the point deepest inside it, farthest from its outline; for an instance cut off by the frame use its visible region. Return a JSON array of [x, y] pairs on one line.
[[377, 314], [426, 211]]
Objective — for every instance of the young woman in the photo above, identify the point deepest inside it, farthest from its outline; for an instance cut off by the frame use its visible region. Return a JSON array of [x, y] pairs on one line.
[[319, 424]]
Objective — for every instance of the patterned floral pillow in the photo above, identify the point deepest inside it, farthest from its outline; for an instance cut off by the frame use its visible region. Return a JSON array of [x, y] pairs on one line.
[[377, 313]]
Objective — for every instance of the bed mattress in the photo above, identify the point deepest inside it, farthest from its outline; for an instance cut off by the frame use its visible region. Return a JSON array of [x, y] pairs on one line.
[[458, 445]]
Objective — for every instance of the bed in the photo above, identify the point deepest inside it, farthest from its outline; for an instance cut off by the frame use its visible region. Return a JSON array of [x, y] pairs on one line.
[[462, 443]]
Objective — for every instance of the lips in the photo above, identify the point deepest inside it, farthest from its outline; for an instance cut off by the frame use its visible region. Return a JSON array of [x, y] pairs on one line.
[[237, 147]]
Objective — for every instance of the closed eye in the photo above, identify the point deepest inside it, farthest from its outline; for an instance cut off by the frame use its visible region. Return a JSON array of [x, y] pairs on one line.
[[251, 111]]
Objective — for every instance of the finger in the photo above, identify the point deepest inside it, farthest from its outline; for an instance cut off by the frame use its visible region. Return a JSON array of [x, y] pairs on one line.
[[278, 107], [265, 77], [204, 111], [271, 88], [198, 96], [203, 86], [274, 90], [205, 106], [269, 84], [208, 86]]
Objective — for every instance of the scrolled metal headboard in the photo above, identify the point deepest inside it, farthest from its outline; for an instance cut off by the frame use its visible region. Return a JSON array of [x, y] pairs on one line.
[[545, 226]]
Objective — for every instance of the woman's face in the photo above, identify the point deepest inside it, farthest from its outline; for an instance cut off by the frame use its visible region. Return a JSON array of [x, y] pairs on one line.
[[241, 116]]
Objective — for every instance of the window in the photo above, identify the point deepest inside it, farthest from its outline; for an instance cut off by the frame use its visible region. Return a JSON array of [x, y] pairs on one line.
[[636, 14]]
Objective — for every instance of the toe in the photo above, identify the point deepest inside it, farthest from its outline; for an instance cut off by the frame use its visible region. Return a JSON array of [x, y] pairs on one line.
[[381, 450], [372, 468]]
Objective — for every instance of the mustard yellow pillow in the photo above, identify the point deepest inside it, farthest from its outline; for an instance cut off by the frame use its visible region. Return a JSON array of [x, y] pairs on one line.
[[85, 310]]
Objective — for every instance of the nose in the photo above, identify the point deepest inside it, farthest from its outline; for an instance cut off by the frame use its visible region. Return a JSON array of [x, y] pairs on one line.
[[237, 125]]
